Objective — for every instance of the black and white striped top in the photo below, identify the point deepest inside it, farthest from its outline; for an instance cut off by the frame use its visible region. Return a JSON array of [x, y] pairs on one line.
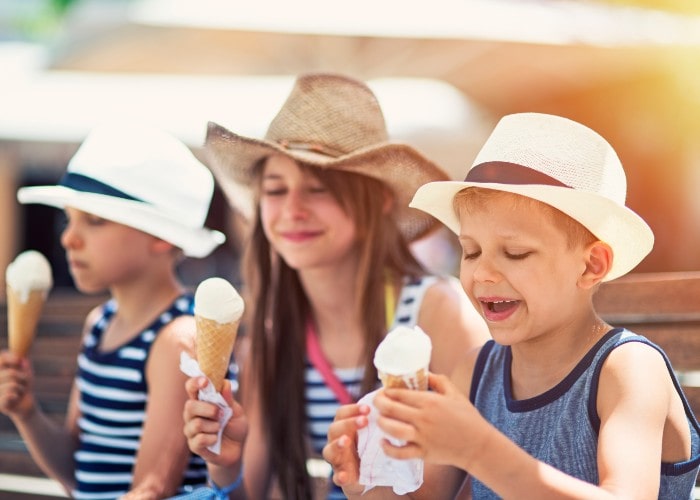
[[113, 397], [321, 402]]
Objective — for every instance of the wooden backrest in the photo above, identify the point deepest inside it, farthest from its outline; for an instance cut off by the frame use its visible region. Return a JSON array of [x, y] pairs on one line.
[[665, 308], [54, 359]]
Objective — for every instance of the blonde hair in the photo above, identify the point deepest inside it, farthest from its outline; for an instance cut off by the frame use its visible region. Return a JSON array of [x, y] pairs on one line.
[[474, 199]]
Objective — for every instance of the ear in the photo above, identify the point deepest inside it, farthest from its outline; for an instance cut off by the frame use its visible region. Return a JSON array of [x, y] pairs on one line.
[[598, 261]]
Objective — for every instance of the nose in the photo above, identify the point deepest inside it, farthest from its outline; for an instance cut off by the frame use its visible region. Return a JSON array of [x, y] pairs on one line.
[[484, 271], [296, 205], [70, 237]]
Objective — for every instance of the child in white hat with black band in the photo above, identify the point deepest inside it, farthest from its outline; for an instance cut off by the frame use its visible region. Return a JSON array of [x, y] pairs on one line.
[[136, 200]]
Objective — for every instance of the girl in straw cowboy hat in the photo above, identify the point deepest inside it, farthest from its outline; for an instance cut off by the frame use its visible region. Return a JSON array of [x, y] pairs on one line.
[[328, 270], [136, 200], [559, 404]]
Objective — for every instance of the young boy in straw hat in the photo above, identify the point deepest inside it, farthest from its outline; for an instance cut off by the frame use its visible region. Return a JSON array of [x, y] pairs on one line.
[[559, 404], [136, 200], [329, 271]]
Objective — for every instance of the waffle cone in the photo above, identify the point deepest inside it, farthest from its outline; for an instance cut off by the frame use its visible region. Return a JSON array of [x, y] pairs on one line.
[[416, 381], [22, 319], [214, 347]]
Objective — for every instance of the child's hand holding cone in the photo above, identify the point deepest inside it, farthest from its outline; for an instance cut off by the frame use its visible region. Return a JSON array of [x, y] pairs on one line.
[[218, 309]]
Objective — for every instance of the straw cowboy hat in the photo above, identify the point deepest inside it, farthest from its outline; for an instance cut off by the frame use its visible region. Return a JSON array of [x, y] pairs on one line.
[[561, 163], [331, 122], [140, 177]]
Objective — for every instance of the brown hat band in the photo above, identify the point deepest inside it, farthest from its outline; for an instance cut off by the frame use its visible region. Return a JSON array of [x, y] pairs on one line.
[[502, 172]]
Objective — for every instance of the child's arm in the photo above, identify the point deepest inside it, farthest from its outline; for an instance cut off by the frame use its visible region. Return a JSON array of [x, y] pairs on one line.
[[50, 444], [632, 404], [163, 454], [635, 398], [201, 428]]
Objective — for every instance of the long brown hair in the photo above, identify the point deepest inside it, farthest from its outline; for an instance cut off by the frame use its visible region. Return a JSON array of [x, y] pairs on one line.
[[281, 309]]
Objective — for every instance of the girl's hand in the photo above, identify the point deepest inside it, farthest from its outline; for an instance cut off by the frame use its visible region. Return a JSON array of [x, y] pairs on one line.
[[16, 386], [202, 425], [341, 450]]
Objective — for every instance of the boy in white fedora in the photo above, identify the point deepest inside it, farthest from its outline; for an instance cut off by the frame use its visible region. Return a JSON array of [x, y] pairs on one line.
[[559, 404], [136, 200]]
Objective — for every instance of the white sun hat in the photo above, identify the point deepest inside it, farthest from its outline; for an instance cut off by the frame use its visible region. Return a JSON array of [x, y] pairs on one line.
[[559, 162], [141, 177]]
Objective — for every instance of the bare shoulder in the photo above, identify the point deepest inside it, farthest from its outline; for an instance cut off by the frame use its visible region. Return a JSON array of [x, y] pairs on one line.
[[446, 308], [92, 317], [632, 359], [633, 373], [178, 334], [452, 323], [464, 370]]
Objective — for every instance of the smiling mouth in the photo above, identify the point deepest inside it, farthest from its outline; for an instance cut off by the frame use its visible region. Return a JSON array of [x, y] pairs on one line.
[[500, 305]]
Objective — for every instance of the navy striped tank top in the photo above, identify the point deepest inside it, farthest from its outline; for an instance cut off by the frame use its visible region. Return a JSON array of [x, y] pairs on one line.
[[113, 396]]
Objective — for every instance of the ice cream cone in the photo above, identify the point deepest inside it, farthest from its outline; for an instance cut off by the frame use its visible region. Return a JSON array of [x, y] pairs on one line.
[[402, 358], [214, 347], [28, 281], [218, 309], [416, 381], [23, 318]]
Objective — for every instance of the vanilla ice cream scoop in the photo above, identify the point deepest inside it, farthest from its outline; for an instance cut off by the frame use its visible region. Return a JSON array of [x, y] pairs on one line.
[[28, 281], [403, 357], [218, 309], [218, 300], [29, 271]]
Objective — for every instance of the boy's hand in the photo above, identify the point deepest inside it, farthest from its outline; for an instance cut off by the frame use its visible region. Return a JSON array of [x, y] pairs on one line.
[[16, 386], [341, 450], [202, 425], [437, 426]]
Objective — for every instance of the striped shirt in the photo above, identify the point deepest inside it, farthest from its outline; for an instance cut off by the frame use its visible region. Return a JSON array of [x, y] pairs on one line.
[[113, 396], [321, 402]]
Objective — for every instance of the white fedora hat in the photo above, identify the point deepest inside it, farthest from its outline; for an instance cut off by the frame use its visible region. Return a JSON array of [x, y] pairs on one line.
[[561, 163], [140, 177]]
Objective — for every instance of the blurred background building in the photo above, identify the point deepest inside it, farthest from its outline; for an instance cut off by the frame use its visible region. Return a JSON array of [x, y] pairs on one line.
[[445, 71]]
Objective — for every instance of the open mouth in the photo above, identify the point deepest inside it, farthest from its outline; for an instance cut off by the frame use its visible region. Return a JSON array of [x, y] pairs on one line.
[[501, 305]]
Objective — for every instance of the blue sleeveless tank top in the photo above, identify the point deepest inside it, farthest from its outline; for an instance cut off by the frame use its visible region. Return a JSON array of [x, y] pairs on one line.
[[560, 426], [113, 397]]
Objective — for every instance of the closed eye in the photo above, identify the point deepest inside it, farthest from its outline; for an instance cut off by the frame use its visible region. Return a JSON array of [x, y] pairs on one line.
[[274, 192], [518, 256], [470, 256]]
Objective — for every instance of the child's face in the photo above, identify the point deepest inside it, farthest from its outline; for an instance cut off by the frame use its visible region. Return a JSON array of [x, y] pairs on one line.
[[102, 254], [518, 268], [302, 220]]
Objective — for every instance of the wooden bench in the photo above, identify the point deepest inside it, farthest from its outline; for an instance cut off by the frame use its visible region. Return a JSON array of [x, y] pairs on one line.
[[54, 359], [665, 308]]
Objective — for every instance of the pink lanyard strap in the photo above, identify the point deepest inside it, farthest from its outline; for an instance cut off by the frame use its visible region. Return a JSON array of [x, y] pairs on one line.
[[319, 361]]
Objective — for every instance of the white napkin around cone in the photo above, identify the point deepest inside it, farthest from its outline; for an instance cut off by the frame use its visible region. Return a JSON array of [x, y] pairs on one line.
[[376, 468], [190, 367]]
